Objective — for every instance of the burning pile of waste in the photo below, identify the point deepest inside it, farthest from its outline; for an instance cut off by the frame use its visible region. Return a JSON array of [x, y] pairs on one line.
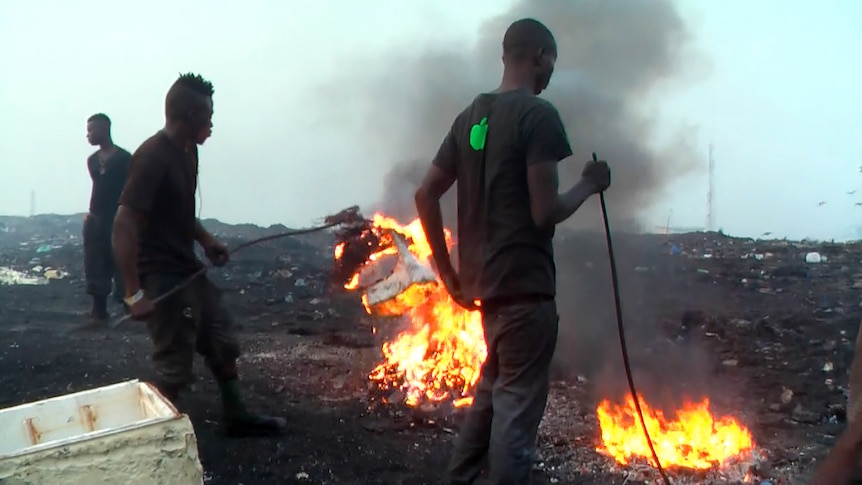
[[437, 358]]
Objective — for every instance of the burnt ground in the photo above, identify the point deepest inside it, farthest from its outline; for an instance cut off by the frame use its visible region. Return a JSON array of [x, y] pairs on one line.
[[747, 323]]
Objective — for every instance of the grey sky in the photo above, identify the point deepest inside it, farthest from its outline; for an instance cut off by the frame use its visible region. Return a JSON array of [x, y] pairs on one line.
[[778, 97]]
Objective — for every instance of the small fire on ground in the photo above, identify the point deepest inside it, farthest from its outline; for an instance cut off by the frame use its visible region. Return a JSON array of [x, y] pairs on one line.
[[692, 439], [438, 357]]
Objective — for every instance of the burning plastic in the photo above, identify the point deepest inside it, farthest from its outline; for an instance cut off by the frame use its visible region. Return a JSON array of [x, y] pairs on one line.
[[410, 281], [437, 359]]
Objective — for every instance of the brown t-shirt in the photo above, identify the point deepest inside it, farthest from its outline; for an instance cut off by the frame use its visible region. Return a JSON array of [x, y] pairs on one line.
[[161, 185], [501, 252]]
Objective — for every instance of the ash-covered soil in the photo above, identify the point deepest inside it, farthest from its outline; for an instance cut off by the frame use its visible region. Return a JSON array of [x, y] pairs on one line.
[[749, 324]]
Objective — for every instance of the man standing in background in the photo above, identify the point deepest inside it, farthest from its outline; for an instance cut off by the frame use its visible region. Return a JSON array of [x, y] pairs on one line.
[[108, 167]]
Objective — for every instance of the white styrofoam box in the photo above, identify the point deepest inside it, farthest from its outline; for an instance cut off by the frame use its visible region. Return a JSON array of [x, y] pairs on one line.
[[123, 433]]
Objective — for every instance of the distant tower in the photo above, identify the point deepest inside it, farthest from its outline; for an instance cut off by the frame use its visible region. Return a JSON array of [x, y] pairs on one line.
[[710, 215], [32, 203]]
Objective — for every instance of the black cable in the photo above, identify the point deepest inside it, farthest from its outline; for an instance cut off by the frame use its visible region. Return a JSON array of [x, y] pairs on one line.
[[623, 347], [244, 245]]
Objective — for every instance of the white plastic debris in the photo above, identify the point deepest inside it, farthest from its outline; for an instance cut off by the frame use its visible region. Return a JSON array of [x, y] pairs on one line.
[[12, 277], [408, 271], [54, 274], [813, 258]]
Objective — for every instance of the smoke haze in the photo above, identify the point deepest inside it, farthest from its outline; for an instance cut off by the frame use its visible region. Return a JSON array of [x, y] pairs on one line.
[[613, 56]]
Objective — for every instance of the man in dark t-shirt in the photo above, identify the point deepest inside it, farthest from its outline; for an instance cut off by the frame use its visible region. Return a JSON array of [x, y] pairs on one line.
[[154, 238], [503, 151], [108, 168]]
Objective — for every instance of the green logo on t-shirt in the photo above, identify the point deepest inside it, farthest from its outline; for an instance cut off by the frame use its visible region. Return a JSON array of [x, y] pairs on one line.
[[478, 134]]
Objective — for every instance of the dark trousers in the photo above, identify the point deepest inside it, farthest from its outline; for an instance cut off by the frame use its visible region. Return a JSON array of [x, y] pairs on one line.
[[499, 431], [100, 270], [191, 320]]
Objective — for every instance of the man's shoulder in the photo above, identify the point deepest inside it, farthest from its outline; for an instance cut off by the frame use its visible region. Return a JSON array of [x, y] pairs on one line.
[[152, 154], [516, 106], [152, 148], [123, 153], [525, 103]]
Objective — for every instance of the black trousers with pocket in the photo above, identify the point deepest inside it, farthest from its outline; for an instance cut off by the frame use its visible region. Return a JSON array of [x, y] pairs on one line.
[[193, 320]]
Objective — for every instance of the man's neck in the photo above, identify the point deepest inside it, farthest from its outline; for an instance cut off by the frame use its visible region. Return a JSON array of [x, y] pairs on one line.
[[515, 81], [178, 137], [107, 147]]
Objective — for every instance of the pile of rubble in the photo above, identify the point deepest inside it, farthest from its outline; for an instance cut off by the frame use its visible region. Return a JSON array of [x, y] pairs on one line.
[[293, 270]]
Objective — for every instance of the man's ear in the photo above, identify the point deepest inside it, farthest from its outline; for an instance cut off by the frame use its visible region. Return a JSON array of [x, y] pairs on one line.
[[538, 59], [194, 115]]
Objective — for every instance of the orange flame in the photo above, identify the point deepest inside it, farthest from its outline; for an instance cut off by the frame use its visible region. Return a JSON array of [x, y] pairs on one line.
[[694, 439], [439, 357]]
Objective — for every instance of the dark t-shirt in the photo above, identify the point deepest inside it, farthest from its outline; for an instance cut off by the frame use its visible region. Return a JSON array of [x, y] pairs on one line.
[[161, 185], [108, 181], [501, 252]]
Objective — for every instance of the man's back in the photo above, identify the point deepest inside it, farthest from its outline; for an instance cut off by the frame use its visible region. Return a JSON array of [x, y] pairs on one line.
[[501, 251], [161, 185]]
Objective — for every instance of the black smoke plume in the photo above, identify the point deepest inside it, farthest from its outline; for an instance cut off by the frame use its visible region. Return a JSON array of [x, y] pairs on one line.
[[615, 60]]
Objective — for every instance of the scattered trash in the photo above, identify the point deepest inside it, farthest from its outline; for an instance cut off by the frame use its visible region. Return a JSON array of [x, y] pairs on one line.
[[11, 277], [282, 273], [813, 258]]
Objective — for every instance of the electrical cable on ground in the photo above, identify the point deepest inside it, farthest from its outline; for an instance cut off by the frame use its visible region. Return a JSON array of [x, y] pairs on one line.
[[623, 347], [346, 216]]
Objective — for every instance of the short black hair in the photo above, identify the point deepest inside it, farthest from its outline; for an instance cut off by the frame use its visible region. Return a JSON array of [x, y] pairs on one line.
[[186, 95], [196, 83], [527, 36], [100, 117]]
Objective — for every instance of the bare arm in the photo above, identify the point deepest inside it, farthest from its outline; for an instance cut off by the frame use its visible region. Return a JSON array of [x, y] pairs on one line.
[[434, 185], [91, 171], [439, 178], [547, 206], [125, 241], [202, 236], [139, 195]]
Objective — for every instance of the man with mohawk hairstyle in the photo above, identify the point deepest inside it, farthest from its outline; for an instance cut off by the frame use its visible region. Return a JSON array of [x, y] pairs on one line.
[[154, 237], [503, 150]]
